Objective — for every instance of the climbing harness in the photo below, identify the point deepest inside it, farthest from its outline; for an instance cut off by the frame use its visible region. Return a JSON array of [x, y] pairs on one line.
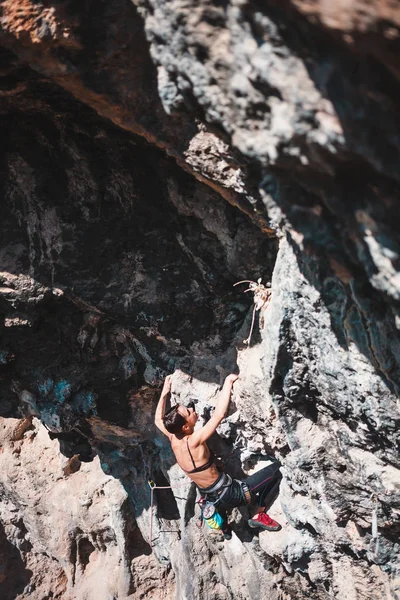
[[211, 516], [209, 513], [220, 486]]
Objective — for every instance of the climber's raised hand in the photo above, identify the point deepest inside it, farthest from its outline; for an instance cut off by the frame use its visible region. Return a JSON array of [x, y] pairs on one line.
[[230, 379], [201, 435], [167, 385]]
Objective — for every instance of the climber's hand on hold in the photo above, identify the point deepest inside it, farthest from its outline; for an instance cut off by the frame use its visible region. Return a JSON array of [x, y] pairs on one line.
[[230, 379], [167, 385], [160, 410], [201, 435]]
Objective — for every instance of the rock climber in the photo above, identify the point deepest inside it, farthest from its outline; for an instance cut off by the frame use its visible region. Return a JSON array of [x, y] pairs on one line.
[[197, 461]]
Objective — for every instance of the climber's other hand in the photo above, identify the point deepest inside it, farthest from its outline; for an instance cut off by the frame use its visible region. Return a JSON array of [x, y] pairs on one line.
[[230, 379], [167, 384]]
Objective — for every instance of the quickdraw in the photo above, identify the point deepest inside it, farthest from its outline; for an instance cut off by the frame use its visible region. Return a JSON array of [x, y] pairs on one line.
[[153, 487], [262, 296]]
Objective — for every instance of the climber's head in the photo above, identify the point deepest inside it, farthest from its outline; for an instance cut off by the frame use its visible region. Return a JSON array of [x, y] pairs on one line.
[[180, 420]]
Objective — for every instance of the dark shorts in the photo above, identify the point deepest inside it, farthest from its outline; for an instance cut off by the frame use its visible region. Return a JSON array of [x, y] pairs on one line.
[[262, 486]]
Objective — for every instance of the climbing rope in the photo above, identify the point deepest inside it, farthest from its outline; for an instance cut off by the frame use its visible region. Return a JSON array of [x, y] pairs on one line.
[[153, 487]]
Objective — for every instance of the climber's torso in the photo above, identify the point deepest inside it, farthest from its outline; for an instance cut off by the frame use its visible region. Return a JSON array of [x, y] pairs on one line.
[[195, 458]]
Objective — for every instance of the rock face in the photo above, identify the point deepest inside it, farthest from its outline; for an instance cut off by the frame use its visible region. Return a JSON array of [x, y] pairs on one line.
[[153, 154]]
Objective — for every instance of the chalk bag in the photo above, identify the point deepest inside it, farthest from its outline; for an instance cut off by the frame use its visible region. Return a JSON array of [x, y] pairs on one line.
[[211, 516]]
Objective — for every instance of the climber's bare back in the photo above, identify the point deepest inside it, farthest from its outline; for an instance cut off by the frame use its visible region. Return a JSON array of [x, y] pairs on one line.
[[201, 455]]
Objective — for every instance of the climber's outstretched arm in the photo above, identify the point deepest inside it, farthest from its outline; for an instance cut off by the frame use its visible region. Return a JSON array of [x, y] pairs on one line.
[[202, 435], [160, 410]]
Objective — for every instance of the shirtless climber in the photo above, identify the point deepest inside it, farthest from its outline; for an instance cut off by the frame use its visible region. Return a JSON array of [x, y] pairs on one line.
[[195, 458]]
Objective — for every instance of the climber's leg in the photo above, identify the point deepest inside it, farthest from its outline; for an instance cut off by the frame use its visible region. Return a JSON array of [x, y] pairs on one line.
[[265, 485]]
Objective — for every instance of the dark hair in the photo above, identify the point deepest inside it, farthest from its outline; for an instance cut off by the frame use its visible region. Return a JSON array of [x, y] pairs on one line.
[[173, 420]]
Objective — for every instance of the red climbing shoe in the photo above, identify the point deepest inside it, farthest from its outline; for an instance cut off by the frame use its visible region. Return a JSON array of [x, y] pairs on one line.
[[264, 521]]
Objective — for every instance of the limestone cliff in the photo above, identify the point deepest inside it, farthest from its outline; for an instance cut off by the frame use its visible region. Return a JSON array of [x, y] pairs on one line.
[[153, 154]]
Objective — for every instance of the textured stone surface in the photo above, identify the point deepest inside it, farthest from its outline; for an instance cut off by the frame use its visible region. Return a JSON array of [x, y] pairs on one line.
[[117, 267], [99, 53], [75, 531]]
